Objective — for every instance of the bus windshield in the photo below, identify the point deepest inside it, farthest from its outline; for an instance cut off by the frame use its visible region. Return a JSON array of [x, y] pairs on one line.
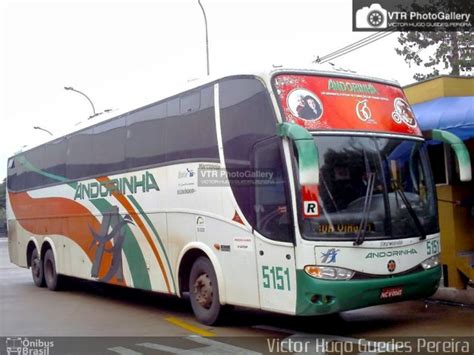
[[372, 187]]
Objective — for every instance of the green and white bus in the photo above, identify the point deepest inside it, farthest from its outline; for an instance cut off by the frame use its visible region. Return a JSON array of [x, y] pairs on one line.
[[300, 192]]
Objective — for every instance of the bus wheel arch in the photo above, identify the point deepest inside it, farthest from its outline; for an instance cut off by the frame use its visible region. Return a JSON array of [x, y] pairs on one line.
[[186, 260], [32, 245]]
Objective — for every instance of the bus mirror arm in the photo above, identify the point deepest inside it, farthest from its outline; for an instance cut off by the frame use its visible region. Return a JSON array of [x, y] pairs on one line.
[[460, 150], [308, 156]]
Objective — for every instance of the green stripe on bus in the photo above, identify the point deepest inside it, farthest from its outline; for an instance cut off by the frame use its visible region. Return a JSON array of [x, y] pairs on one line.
[[133, 253], [155, 232]]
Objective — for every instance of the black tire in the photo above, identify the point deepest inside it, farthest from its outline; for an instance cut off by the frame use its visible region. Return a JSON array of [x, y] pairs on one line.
[[37, 269], [53, 280], [204, 292]]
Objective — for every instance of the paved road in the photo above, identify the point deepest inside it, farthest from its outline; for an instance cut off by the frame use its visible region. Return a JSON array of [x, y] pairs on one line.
[[90, 309]]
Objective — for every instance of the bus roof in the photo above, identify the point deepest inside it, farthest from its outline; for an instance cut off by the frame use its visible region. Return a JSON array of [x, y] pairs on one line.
[[265, 74]]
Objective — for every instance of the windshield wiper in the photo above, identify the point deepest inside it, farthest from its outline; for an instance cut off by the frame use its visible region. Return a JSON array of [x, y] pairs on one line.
[[365, 214], [410, 209]]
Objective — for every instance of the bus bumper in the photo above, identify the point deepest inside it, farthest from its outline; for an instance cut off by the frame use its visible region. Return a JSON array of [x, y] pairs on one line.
[[317, 296]]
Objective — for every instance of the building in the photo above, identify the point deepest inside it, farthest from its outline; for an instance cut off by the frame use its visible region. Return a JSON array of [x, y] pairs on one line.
[[447, 103]]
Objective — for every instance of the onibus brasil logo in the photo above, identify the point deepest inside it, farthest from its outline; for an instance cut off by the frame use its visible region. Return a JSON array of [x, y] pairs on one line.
[[26, 346]]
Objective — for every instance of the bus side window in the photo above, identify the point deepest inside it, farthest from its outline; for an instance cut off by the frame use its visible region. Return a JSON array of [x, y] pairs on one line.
[[192, 135], [109, 147], [80, 155], [146, 133], [34, 159], [173, 130], [54, 160]]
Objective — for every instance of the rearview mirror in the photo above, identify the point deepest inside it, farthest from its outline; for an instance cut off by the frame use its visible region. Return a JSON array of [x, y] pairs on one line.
[[307, 151], [460, 150]]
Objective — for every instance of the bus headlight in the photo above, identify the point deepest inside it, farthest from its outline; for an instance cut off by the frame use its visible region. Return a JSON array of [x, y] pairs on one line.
[[430, 262], [328, 272]]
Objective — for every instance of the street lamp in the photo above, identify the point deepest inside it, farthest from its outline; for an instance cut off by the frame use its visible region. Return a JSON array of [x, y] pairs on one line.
[[42, 129], [87, 97], [207, 38], [94, 114]]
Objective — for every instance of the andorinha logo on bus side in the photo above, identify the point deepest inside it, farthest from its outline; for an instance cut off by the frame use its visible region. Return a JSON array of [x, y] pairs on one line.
[[383, 254], [125, 185], [349, 86]]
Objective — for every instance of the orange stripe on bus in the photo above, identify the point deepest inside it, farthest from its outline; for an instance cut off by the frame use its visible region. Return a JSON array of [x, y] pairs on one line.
[[131, 211], [60, 216]]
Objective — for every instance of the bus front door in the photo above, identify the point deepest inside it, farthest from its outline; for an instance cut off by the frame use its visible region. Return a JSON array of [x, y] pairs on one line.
[[276, 275], [273, 229]]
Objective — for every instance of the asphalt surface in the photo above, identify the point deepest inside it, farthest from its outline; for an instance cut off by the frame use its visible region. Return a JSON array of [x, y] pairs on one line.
[[142, 322]]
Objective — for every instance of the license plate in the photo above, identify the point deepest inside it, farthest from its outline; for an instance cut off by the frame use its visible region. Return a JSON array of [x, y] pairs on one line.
[[390, 292]]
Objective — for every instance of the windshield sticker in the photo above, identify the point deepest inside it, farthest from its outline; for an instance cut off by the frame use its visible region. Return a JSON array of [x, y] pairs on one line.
[[310, 199], [304, 104], [363, 111], [329, 103], [403, 113]]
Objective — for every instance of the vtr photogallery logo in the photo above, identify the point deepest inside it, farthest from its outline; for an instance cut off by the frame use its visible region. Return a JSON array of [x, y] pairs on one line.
[[26, 346], [412, 15]]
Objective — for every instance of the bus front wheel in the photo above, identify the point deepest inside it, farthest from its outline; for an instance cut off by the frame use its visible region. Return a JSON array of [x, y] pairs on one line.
[[37, 269], [53, 280], [203, 292]]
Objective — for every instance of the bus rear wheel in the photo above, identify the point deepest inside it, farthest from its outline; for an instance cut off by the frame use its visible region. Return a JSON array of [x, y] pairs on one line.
[[53, 280], [203, 292], [37, 269]]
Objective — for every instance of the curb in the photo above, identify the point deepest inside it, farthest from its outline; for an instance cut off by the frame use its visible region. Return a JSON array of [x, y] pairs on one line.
[[455, 295]]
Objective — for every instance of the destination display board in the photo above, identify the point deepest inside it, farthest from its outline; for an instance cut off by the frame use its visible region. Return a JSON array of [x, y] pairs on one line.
[[333, 103]]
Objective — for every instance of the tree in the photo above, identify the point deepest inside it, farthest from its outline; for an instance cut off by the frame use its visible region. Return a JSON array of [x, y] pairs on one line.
[[448, 51]]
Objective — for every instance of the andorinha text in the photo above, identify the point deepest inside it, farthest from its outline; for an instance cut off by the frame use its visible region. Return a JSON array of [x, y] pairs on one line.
[[125, 185], [349, 86], [383, 254]]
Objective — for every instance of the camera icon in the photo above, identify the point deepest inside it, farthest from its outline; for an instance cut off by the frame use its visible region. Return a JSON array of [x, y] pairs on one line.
[[374, 16]]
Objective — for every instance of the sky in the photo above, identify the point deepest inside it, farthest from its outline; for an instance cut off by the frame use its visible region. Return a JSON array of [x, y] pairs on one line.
[[124, 54]]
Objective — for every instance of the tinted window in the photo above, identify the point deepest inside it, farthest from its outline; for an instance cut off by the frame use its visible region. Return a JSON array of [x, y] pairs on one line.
[[247, 118], [54, 159], [169, 136], [109, 147], [271, 207], [193, 134], [145, 143], [34, 159], [16, 177], [438, 163], [173, 107], [80, 154], [190, 102], [180, 128]]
